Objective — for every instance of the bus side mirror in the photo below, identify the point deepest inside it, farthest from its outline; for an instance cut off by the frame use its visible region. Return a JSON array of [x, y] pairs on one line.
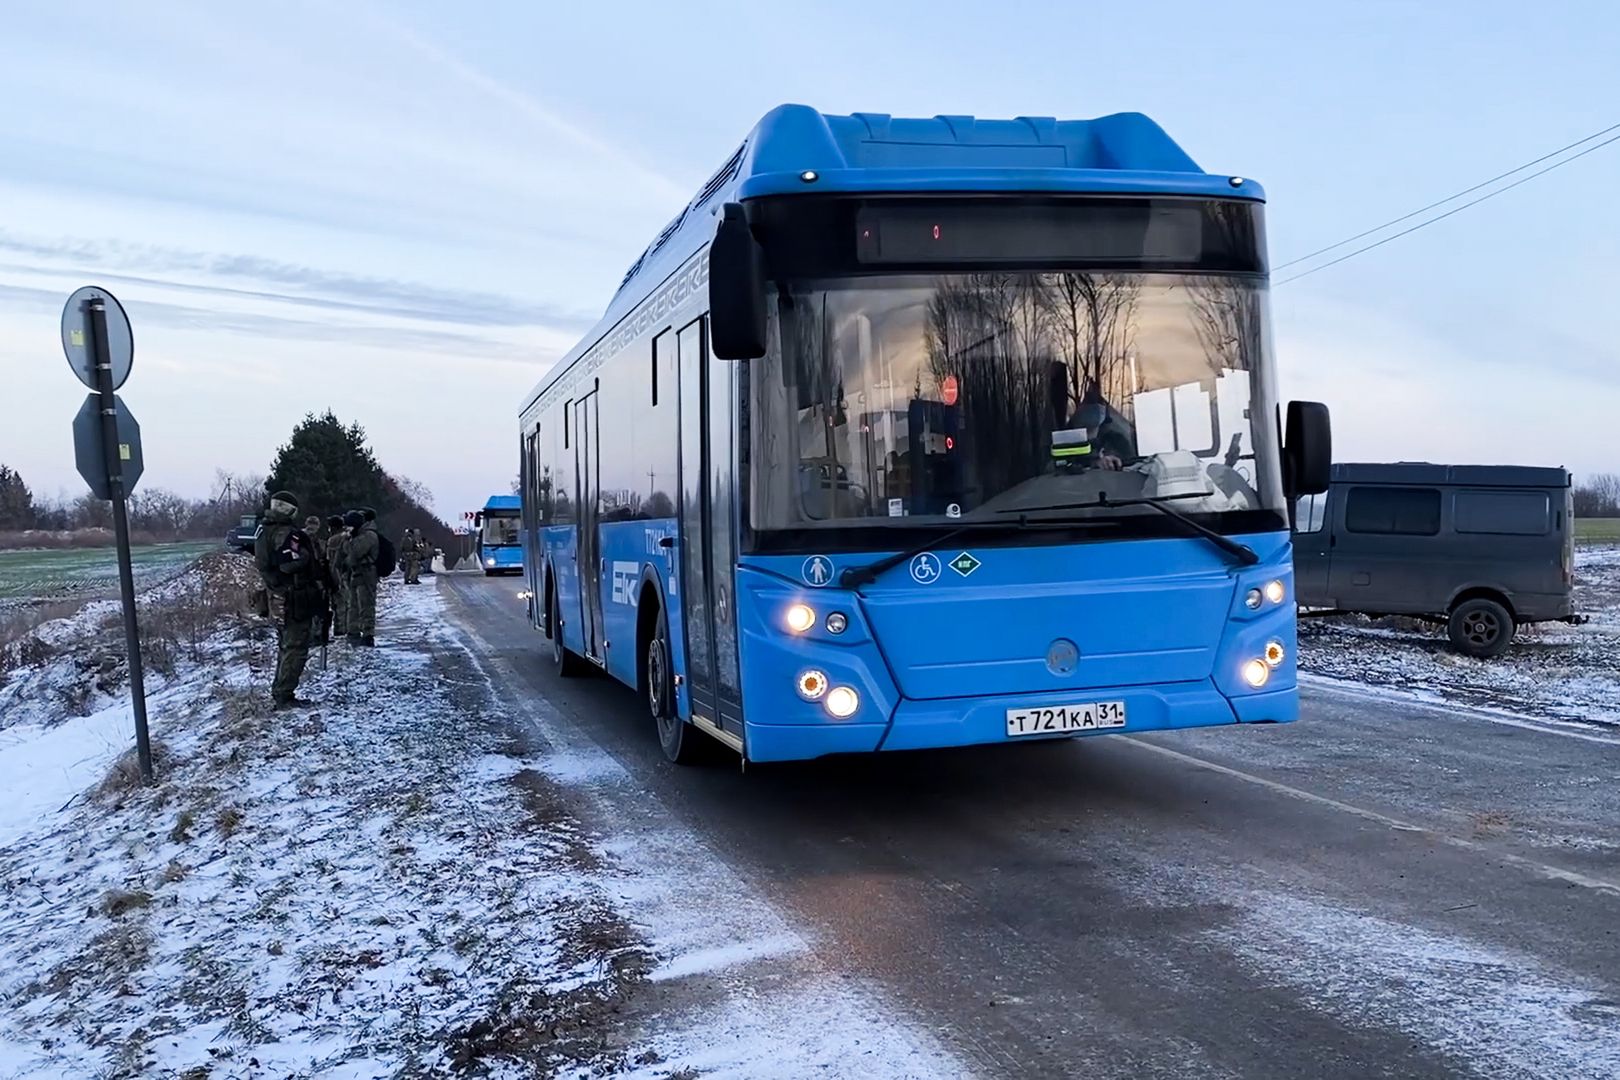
[[736, 289], [1307, 449]]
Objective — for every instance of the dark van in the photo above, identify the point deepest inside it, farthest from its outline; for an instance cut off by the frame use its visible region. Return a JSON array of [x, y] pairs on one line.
[[1484, 548]]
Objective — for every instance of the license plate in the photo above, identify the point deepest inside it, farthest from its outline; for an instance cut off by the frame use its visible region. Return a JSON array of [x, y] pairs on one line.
[[1056, 719]]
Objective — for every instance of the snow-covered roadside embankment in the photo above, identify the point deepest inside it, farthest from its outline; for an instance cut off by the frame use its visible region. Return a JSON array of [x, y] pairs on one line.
[[345, 890]]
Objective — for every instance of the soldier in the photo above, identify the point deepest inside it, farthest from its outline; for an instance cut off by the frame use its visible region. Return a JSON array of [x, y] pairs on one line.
[[361, 559], [289, 564], [338, 574], [410, 553]]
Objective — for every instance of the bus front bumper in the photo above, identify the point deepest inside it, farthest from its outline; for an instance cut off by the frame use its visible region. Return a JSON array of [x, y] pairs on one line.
[[925, 725]]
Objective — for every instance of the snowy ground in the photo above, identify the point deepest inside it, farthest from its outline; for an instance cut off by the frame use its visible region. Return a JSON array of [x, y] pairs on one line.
[[1567, 674], [391, 883]]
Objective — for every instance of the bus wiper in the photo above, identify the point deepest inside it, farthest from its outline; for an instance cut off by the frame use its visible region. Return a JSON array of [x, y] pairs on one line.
[[854, 577], [1241, 552]]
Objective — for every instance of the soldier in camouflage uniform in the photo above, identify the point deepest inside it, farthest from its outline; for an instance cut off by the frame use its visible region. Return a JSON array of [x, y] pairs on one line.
[[361, 559], [411, 550], [289, 564], [337, 538]]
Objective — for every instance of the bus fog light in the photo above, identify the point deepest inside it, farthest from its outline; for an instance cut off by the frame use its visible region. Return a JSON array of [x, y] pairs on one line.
[[800, 618], [842, 702], [812, 685], [1274, 653], [1252, 600], [1255, 673], [1275, 591], [837, 623]]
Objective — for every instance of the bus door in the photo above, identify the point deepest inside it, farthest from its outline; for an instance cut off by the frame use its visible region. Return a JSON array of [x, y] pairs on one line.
[[708, 535], [589, 560]]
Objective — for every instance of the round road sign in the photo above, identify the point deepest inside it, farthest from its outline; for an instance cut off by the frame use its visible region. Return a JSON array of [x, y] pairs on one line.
[[76, 336]]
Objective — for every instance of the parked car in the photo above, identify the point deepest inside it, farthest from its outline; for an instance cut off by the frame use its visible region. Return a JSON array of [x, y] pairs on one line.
[[240, 537], [1483, 548]]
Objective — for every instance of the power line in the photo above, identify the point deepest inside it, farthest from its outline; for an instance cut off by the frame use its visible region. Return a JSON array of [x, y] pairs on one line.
[[1449, 198], [1449, 213]]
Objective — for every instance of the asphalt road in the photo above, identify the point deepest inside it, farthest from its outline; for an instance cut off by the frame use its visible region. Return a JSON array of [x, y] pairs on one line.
[[1383, 889]]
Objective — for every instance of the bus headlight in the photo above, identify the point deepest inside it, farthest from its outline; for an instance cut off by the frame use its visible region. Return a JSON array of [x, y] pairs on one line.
[[800, 618], [812, 685], [1252, 600], [1255, 673], [837, 623], [1275, 653], [842, 702], [1275, 591]]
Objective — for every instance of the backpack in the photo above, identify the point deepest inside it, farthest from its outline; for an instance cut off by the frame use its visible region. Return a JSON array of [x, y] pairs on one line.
[[267, 559], [385, 556]]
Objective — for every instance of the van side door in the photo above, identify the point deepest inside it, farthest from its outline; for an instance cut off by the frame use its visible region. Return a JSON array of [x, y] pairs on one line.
[[1387, 559]]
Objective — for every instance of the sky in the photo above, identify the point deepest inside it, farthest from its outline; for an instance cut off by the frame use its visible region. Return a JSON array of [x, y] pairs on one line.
[[406, 212]]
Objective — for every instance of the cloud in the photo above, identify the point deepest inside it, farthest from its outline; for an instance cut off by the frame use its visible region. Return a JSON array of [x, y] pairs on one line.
[[316, 288], [647, 177], [469, 348]]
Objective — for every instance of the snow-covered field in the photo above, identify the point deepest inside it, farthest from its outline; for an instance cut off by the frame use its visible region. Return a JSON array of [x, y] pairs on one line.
[[1567, 674], [391, 882]]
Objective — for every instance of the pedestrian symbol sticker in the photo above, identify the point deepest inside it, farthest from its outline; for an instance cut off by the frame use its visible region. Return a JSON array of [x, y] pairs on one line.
[[965, 564], [925, 568], [817, 571]]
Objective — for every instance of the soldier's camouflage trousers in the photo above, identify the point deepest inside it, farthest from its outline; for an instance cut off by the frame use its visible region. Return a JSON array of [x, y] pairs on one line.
[[363, 604], [340, 608], [292, 653]]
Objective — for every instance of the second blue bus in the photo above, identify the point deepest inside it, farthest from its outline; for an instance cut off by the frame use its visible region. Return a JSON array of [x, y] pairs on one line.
[[499, 528]]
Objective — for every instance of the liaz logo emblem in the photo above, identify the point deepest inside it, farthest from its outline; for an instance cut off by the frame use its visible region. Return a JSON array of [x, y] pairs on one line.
[[965, 564]]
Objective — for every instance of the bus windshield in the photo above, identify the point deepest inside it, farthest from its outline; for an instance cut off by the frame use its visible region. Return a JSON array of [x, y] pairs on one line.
[[500, 530], [922, 399]]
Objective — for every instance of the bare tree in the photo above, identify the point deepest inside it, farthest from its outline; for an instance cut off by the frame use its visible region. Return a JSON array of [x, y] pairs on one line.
[[1095, 317], [1228, 319], [1598, 496]]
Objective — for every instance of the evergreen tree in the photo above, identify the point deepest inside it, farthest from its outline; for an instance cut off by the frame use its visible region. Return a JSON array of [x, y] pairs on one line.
[[331, 469], [16, 501]]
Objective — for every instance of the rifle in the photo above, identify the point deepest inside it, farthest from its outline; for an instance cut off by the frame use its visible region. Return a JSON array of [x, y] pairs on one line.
[[326, 623]]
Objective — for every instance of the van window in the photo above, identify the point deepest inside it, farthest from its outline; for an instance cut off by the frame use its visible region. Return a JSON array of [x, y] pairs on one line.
[[1310, 512], [1512, 513], [1403, 511]]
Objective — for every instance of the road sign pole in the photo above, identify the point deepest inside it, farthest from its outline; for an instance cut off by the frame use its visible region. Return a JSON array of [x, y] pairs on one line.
[[96, 317]]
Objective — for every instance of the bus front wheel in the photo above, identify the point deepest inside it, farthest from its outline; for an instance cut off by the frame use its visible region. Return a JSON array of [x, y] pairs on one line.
[[681, 743], [564, 662]]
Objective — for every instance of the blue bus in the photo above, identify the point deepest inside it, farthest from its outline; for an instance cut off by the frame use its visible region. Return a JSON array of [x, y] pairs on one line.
[[500, 535], [912, 433]]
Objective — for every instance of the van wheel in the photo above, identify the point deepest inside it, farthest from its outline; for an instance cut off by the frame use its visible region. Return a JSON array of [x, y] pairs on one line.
[[565, 663], [1481, 628]]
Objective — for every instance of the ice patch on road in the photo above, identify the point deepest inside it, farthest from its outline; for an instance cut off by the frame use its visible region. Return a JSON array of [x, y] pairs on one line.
[[1496, 1013], [751, 996], [719, 958]]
